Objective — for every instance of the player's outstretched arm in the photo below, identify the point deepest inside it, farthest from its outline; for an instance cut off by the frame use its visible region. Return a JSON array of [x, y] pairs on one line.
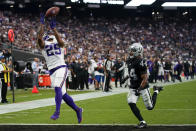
[[41, 32], [40, 41], [52, 26], [59, 39]]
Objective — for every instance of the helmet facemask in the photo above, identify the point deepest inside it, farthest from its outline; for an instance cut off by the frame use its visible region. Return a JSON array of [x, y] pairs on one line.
[[48, 37]]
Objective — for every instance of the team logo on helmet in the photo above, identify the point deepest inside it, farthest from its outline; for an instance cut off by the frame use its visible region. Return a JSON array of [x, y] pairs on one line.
[[136, 49]]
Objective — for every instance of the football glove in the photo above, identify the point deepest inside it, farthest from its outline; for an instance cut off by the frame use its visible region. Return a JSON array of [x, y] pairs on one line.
[[137, 91], [42, 19], [124, 80], [53, 23]]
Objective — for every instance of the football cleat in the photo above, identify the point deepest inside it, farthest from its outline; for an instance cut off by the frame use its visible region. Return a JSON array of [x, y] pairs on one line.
[[159, 88], [79, 114], [141, 125], [55, 116]]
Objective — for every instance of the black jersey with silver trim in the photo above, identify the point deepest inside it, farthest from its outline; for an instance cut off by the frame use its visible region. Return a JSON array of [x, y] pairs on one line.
[[136, 67]]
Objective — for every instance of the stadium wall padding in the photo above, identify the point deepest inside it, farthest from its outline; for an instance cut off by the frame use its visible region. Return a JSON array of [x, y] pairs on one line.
[[25, 56]]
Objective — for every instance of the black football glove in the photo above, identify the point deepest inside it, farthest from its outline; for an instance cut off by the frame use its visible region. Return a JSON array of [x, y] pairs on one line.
[[137, 91], [123, 80]]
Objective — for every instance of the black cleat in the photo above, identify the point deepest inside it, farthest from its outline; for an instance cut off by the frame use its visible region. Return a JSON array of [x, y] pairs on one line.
[[159, 88], [141, 125]]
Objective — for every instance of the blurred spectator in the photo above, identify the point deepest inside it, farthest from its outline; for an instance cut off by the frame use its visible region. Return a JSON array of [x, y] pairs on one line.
[[35, 68], [118, 66]]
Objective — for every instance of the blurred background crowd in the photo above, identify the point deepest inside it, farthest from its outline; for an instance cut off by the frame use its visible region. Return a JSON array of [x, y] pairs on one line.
[[170, 38]]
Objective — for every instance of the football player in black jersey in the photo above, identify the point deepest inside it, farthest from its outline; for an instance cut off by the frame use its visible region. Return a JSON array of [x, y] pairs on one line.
[[137, 74]]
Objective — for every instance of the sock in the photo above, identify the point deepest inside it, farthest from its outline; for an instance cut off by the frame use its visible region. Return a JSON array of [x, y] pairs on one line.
[[154, 98], [58, 98], [69, 101], [136, 111]]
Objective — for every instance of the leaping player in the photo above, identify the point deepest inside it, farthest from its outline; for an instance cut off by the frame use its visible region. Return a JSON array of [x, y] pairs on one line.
[[53, 52]]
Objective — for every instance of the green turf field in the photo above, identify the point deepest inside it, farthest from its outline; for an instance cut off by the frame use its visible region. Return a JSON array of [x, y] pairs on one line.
[[175, 105], [22, 95]]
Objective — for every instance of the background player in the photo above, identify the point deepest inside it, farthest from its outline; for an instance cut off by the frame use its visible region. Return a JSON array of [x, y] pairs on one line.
[[137, 72], [53, 51]]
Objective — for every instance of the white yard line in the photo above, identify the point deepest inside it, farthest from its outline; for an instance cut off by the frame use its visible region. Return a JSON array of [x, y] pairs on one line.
[[8, 108], [109, 110]]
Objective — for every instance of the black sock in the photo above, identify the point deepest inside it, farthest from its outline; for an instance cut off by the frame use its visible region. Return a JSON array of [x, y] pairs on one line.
[[154, 98], [136, 111]]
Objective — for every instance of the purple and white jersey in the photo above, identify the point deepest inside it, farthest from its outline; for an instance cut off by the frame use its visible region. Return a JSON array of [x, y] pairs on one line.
[[53, 54]]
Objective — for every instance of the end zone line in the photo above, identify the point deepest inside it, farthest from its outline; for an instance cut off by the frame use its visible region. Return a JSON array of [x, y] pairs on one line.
[[179, 125]]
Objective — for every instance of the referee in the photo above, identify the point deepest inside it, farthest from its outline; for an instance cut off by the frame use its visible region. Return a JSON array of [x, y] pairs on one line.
[[107, 67], [5, 78]]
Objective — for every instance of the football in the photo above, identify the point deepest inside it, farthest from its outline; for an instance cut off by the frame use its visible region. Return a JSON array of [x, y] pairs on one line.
[[53, 11]]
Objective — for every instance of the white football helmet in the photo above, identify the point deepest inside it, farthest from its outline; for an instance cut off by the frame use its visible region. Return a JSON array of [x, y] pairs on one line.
[[136, 49]]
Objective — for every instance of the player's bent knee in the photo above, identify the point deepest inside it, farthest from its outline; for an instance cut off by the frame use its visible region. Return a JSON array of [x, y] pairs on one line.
[[131, 100]]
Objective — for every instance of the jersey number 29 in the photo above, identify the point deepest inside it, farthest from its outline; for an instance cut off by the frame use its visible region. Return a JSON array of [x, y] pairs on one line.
[[53, 49]]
